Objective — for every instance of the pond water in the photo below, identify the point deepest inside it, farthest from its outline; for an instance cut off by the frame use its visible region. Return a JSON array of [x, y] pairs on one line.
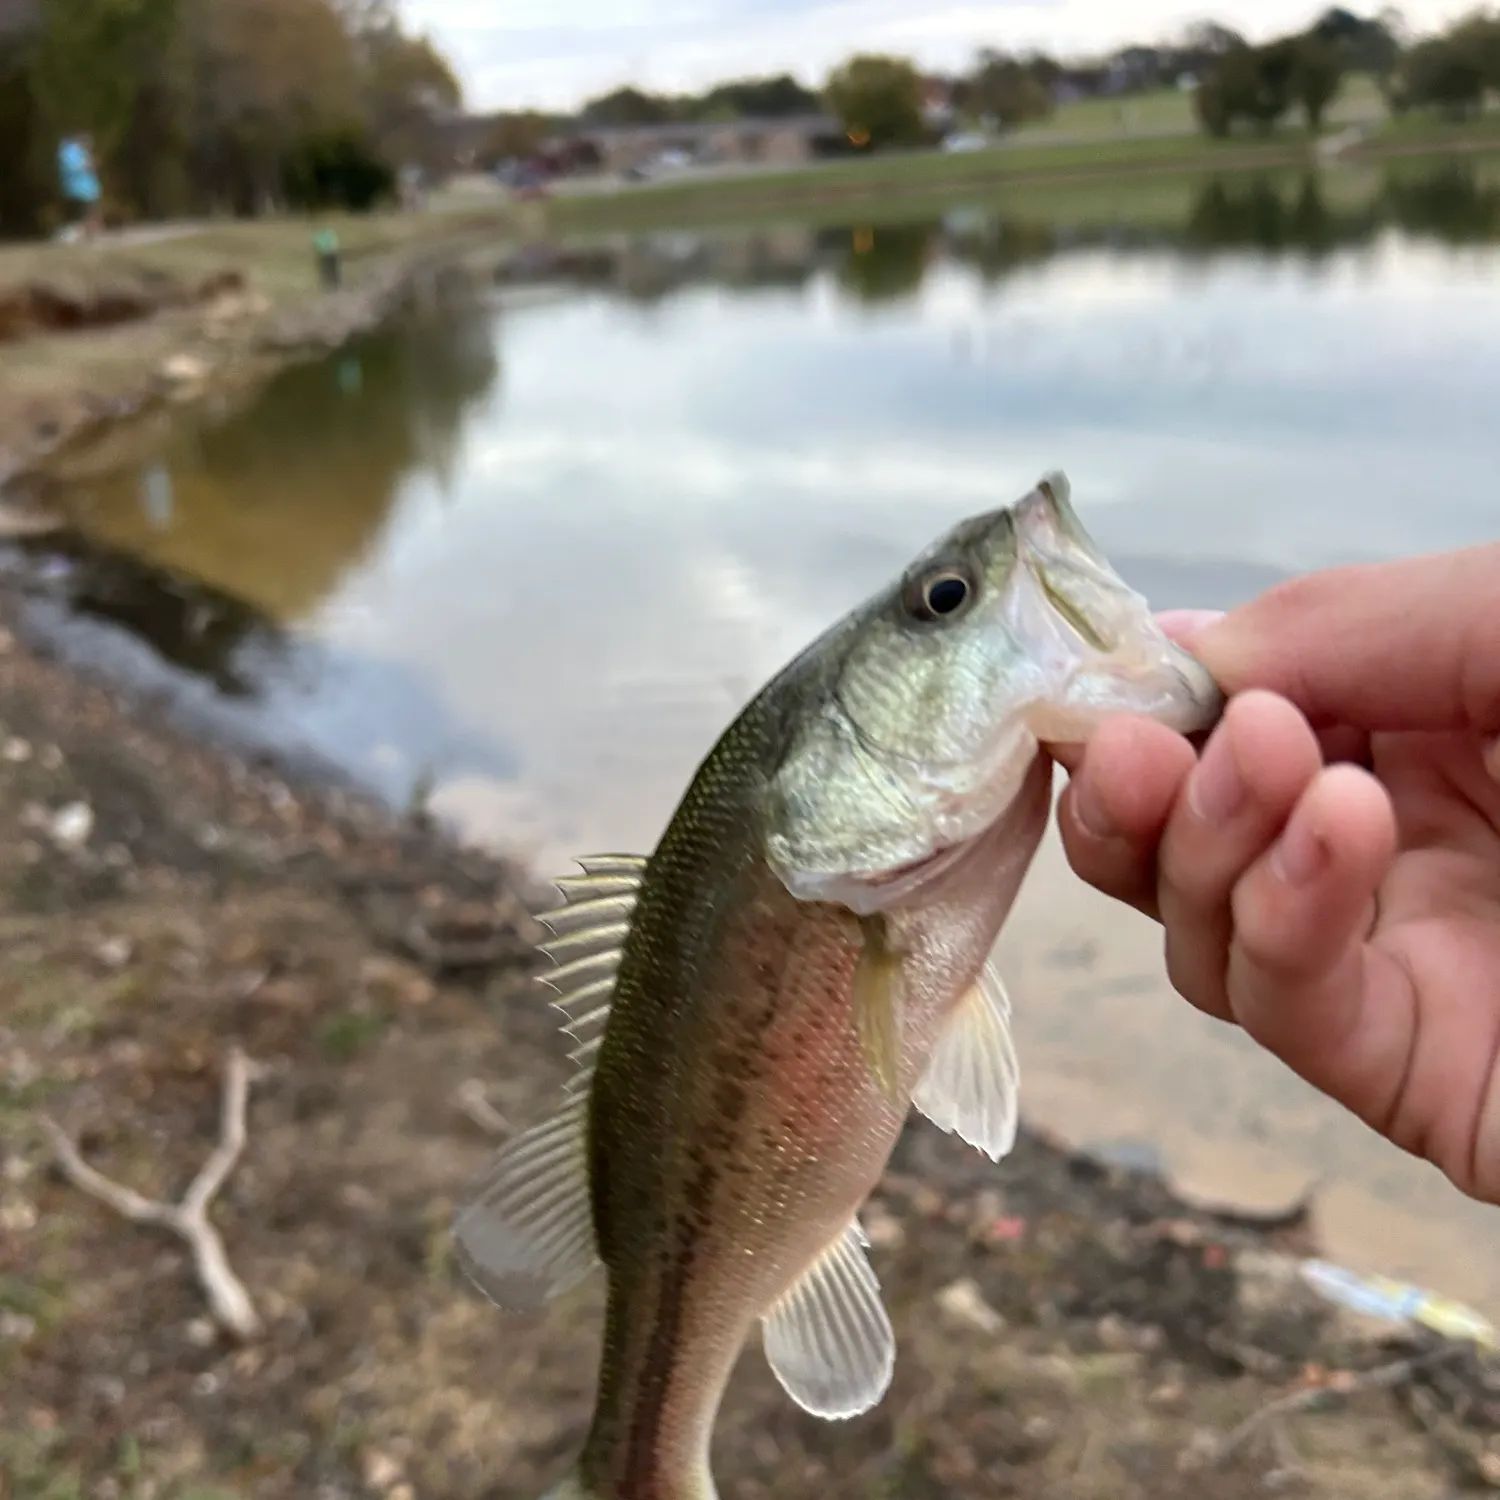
[[535, 553]]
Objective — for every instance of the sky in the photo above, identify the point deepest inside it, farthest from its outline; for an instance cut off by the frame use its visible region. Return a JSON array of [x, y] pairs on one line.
[[517, 54]]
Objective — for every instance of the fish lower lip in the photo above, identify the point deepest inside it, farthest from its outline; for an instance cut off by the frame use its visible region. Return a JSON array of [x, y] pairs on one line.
[[902, 872]]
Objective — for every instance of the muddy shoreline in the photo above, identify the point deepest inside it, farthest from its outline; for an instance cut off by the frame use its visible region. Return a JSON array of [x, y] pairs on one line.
[[100, 337]]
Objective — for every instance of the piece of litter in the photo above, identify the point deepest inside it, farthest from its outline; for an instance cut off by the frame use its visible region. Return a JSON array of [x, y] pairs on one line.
[[964, 1303], [1004, 1230], [73, 824], [1397, 1302]]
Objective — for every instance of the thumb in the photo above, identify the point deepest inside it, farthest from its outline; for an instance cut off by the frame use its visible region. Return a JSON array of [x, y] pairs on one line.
[[1407, 645]]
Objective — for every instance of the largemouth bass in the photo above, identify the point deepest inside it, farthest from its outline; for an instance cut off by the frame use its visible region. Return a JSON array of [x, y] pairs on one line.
[[803, 957]]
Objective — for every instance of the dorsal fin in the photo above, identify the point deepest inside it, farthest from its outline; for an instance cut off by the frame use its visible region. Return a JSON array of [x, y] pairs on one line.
[[589, 929], [526, 1232]]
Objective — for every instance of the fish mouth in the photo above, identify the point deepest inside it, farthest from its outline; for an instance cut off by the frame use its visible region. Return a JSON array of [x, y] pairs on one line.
[[891, 887], [912, 869]]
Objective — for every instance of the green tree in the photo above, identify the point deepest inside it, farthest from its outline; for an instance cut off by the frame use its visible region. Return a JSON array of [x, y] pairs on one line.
[[628, 106], [1007, 89], [337, 169], [1443, 75], [879, 101], [1273, 76], [1316, 77], [1363, 44], [407, 90], [201, 103], [1254, 84], [23, 190], [1478, 36], [757, 99], [267, 74], [1211, 107], [89, 59]]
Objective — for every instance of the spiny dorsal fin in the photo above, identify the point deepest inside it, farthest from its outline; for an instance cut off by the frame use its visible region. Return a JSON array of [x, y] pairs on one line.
[[590, 927], [828, 1340], [972, 1084]]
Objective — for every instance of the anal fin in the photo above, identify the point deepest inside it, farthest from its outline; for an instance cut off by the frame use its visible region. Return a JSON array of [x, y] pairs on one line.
[[829, 1340], [972, 1084]]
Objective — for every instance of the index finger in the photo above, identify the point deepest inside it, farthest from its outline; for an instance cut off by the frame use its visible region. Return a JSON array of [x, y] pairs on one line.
[[1409, 645]]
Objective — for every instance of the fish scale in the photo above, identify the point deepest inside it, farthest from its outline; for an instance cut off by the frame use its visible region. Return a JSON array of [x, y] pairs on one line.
[[804, 957]]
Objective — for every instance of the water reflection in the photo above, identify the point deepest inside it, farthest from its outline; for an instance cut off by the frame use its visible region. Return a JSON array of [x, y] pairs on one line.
[[186, 623], [323, 457], [889, 263], [1455, 204], [1307, 216], [184, 574]]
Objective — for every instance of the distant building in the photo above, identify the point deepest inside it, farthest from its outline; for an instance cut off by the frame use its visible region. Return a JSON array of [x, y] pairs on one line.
[[455, 139], [625, 148]]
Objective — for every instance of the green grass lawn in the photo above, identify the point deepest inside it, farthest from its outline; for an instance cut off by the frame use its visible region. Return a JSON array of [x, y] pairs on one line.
[[1171, 109], [929, 177], [1165, 109]]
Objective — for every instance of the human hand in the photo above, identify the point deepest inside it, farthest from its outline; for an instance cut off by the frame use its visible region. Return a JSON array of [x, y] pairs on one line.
[[1327, 873]]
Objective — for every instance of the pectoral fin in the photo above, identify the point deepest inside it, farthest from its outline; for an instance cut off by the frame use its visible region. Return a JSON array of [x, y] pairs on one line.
[[829, 1340], [972, 1083], [877, 1004]]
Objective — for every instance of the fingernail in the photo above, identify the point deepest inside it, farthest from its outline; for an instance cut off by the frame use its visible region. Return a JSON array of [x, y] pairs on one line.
[[1216, 790], [1089, 813], [1299, 855], [1183, 624]]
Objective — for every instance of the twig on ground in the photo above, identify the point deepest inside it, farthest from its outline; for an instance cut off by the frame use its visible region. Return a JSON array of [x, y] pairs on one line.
[[1340, 1385], [228, 1300], [472, 1101]]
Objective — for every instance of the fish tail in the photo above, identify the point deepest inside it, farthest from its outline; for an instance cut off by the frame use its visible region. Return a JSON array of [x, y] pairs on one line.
[[571, 1487]]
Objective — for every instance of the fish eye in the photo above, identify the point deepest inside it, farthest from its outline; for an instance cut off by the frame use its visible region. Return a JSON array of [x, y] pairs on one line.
[[939, 595]]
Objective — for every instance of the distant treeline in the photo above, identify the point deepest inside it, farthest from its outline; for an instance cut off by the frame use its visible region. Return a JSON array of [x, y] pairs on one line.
[[1451, 73], [888, 102], [196, 105]]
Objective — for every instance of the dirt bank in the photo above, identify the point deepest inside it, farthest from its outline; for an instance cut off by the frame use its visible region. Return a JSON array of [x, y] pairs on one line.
[[92, 334], [1067, 1329]]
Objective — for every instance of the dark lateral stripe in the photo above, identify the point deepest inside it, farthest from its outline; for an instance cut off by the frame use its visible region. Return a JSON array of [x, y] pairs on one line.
[[642, 1472]]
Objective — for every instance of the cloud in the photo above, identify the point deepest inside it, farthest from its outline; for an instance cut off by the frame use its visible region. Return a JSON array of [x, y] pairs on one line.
[[523, 54]]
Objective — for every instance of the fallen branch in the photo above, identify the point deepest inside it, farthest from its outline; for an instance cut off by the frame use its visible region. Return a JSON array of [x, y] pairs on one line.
[[1339, 1385], [228, 1300], [472, 1101]]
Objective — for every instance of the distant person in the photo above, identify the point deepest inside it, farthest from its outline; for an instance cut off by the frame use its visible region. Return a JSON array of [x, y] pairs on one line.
[[80, 182], [1327, 871], [330, 263]]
